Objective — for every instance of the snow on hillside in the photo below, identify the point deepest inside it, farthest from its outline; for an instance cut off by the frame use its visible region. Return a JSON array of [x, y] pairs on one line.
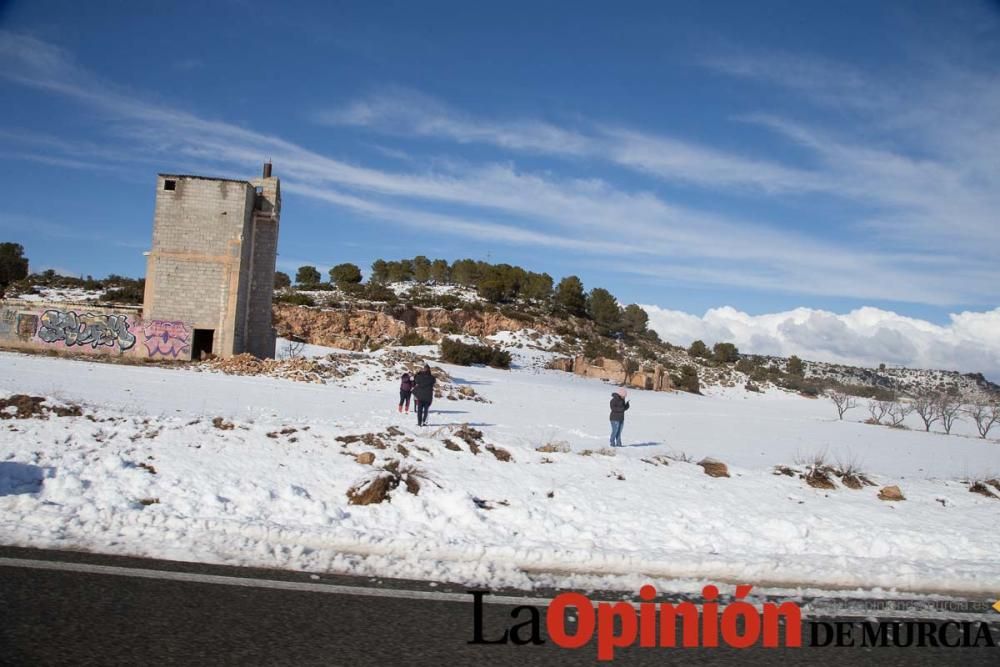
[[248, 470], [458, 291], [61, 295], [911, 381]]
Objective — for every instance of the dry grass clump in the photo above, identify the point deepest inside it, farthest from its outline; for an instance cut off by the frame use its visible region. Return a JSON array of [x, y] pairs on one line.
[[222, 424], [500, 453], [554, 447], [369, 439], [851, 474], [604, 451]]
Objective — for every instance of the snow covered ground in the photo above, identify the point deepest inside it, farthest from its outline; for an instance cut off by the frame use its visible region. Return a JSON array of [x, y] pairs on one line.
[[62, 295], [271, 490]]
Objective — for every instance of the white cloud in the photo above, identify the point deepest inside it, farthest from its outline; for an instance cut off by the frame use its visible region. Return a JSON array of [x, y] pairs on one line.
[[970, 342]]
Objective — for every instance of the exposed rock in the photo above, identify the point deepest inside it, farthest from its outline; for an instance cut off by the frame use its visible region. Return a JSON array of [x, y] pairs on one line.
[[355, 328], [653, 377], [891, 493], [365, 458], [714, 468], [564, 364]]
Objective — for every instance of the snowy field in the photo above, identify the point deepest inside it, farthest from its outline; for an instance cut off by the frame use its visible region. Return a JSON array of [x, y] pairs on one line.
[[271, 490]]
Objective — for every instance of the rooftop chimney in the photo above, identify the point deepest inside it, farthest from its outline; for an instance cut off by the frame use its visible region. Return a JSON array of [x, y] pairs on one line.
[[267, 169]]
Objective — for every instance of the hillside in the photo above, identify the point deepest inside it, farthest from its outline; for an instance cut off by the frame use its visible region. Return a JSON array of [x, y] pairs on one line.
[[427, 313]]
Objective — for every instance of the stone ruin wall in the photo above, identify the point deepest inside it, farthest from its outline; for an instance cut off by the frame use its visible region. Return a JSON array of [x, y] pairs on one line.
[[651, 377], [88, 329]]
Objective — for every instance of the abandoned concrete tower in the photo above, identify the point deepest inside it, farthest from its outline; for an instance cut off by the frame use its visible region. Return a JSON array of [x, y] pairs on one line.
[[211, 265]]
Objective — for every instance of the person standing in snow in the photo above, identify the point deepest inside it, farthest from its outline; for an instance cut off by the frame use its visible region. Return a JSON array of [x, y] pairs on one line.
[[618, 407], [405, 388], [423, 393]]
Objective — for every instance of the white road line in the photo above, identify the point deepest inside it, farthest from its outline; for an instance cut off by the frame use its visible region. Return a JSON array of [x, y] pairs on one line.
[[225, 580], [431, 596]]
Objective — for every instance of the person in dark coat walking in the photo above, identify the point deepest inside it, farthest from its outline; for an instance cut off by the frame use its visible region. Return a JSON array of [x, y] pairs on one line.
[[618, 407], [423, 393], [405, 388]]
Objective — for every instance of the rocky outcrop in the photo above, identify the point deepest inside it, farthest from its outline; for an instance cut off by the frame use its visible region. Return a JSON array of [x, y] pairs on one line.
[[653, 377], [356, 329]]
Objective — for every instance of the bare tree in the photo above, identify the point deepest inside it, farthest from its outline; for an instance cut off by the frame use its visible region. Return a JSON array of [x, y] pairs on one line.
[[878, 409], [897, 413], [926, 406], [949, 408], [985, 414], [294, 348], [843, 402]]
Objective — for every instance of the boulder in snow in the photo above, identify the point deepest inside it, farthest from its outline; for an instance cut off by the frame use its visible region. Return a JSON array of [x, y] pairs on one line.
[[891, 493], [714, 468]]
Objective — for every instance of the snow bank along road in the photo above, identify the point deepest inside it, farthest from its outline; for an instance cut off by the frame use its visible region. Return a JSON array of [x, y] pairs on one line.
[[145, 471], [64, 607]]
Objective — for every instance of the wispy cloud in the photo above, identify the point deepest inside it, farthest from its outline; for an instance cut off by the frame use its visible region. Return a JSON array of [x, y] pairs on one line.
[[498, 202], [408, 113]]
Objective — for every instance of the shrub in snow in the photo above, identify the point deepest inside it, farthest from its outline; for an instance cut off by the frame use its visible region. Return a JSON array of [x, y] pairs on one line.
[[295, 299], [687, 380], [462, 354], [411, 338]]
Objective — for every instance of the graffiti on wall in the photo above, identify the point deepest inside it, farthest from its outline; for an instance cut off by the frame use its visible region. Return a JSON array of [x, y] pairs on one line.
[[166, 338], [94, 329], [27, 325]]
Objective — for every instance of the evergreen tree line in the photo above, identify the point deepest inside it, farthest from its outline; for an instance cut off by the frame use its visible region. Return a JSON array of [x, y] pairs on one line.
[[496, 284]]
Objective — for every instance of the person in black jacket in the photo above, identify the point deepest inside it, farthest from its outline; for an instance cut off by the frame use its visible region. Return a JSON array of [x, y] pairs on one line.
[[618, 407], [423, 393]]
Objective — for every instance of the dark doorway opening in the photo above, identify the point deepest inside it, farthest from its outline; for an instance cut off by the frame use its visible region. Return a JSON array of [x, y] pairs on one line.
[[201, 345]]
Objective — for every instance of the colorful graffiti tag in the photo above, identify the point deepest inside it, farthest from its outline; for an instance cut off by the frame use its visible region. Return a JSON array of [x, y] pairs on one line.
[[92, 329], [166, 338]]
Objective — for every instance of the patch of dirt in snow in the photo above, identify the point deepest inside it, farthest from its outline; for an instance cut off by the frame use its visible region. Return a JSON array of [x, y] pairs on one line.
[[22, 406]]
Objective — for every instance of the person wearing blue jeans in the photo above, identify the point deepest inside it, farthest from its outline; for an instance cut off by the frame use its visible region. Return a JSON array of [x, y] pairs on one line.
[[618, 407]]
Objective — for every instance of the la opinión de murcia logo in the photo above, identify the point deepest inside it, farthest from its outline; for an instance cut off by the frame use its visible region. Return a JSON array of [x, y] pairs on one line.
[[572, 621]]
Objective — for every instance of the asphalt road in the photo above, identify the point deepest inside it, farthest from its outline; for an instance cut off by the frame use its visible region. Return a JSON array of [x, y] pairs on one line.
[[71, 608]]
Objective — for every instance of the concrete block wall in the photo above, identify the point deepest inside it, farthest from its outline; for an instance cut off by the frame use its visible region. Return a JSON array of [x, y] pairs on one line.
[[260, 334], [88, 329]]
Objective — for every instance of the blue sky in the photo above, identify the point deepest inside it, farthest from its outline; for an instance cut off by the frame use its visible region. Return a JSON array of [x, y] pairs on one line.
[[764, 156]]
